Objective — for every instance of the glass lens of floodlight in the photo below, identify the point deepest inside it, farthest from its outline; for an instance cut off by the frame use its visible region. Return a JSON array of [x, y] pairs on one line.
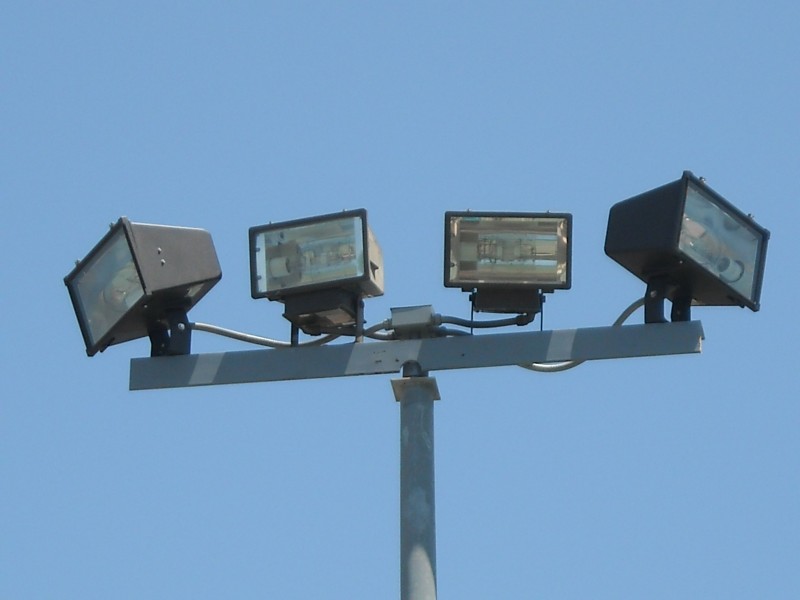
[[503, 250], [311, 254], [107, 287], [720, 242]]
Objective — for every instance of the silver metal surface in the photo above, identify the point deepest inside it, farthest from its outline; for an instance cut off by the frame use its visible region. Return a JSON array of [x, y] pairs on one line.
[[433, 354]]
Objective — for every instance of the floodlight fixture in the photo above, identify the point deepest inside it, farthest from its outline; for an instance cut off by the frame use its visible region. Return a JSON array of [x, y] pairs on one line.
[[507, 259], [320, 268], [689, 245], [140, 280]]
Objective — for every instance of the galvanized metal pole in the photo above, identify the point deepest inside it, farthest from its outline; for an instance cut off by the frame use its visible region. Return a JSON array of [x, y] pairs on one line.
[[416, 393]]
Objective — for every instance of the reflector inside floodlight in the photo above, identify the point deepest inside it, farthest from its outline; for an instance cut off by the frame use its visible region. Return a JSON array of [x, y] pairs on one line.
[[720, 242], [329, 252], [310, 255], [510, 250], [107, 287]]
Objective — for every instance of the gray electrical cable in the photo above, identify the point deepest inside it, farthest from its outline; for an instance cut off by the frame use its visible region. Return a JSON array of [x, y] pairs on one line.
[[256, 339], [570, 364], [376, 332], [523, 319], [249, 338]]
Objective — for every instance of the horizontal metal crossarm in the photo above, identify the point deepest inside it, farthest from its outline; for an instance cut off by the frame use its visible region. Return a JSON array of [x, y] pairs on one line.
[[432, 354]]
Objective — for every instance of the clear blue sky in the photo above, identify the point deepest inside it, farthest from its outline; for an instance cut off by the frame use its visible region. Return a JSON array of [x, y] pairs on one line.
[[654, 478]]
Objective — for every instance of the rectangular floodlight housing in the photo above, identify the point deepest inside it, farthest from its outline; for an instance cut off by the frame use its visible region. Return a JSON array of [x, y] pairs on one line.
[[135, 275], [329, 252], [508, 250], [694, 240]]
